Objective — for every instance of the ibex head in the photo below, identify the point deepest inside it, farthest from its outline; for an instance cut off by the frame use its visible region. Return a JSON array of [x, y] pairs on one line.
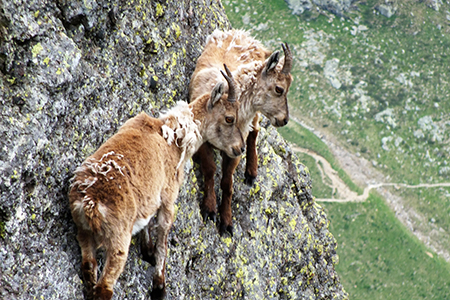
[[222, 131], [275, 82]]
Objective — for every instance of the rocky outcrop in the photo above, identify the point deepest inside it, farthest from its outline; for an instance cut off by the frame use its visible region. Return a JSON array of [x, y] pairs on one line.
[[337, 7], [71, 72], [387, 9]]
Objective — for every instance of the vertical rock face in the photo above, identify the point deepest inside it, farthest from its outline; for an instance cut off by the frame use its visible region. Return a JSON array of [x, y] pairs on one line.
[[71, 72]]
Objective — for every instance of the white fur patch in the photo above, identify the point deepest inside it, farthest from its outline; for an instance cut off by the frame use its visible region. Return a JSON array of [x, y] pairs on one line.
[[140, 224], [87, 183], [102, 209], [185, 132], [101, 166], [79, 210], [216, 37]]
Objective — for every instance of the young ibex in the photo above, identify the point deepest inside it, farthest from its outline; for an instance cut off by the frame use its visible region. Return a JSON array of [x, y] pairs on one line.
[[136, 174], [262, 82]]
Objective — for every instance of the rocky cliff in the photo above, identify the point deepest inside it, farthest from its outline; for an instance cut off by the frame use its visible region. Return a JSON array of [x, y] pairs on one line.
[[71, 72]]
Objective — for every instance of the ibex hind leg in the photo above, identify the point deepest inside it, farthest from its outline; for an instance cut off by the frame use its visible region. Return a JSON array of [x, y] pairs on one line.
[[88, 261], [116, 256]]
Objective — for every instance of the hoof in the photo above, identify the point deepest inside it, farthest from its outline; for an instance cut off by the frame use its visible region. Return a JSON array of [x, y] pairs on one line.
[[226, 229], [209, 215], [158, 291], [100, 293], [249, 179], [150, 258], [148, 253]]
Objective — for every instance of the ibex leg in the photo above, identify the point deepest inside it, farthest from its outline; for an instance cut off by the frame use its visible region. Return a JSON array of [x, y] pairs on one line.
[[147, 248], [88, 261], [208, 168], [228, 167], [165, 220], [116, 256], [251, 169]]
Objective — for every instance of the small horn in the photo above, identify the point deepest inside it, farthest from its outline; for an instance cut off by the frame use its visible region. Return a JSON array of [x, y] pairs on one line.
[[231, 86], [287, 59]]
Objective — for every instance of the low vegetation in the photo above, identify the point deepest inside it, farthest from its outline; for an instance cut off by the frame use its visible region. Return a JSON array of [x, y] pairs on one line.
[[380, 86]]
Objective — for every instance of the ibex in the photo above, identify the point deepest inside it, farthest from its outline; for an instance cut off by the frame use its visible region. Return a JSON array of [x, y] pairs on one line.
[[136, 174], [262, 82]]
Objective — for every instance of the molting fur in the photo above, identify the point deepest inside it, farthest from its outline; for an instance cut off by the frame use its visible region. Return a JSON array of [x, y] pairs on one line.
[[135, 175]]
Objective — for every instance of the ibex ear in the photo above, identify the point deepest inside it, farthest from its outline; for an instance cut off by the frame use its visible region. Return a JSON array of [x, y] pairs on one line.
[[216, 94], [271, 62]]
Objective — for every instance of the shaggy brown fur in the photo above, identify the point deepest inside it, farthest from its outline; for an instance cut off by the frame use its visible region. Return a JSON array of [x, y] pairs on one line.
[[262, 84], [136, 175]]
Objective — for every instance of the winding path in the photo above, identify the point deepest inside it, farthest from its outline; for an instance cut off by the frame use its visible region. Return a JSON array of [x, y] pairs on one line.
[[362, 172], [340, 188]]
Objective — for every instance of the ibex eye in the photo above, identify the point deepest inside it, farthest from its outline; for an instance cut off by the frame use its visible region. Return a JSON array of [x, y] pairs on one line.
[[229, 120], [279, 90]]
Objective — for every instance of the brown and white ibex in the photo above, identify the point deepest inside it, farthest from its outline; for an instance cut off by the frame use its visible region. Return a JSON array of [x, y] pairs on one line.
[[262, 82], [136, 174]]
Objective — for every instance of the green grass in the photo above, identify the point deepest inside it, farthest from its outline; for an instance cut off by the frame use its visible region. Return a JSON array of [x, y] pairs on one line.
[[434, 204], [380, 259]]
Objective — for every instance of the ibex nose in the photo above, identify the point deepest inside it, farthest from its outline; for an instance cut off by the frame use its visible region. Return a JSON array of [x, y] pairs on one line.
[[283, 122], [238, 151]]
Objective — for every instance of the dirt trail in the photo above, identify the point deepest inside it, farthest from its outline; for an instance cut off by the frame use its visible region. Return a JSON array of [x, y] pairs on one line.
[[340, 188], [362, 172]]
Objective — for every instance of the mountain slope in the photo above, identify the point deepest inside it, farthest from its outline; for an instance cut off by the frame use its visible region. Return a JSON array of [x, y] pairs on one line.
[[71, 72]]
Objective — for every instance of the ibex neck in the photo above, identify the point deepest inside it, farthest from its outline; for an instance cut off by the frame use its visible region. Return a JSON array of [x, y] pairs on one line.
[[247, 78]]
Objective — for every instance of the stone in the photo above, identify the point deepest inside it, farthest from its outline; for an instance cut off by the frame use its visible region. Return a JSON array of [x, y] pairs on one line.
[[299, 6], [71, 72], [386, 10], [337, 7], [330, 72]]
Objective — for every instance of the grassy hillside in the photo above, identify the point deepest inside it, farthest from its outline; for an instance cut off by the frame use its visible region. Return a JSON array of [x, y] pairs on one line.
[[381, 87], [378, 257]]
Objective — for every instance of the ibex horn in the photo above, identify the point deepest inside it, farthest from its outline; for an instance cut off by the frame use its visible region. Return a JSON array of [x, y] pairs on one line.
[[287, 59], [231, 87]]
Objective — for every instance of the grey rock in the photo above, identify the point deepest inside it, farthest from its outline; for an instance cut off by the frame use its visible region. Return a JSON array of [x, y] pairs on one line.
[[71, 72], [338, 7], [435, 4], [330, 72], [386, 10], [299, 6]]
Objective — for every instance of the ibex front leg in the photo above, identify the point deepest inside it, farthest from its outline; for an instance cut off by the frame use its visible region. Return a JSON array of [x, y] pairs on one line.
[[147, 248], [251, 169], [228, 167], [165, 220], [208, 168]]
